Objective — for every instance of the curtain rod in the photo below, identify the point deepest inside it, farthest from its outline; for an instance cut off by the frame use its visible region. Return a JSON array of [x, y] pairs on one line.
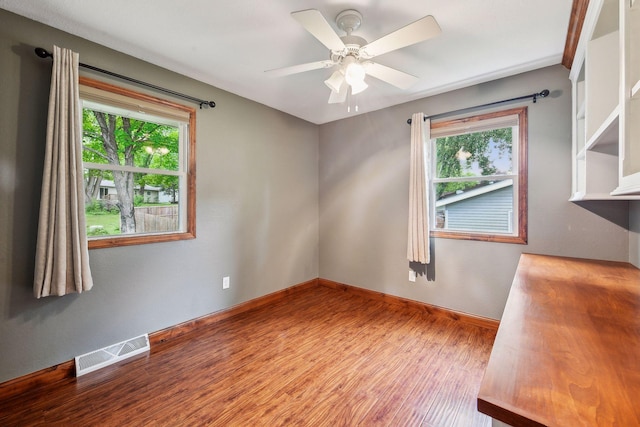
[[542, 94], [42, 53]]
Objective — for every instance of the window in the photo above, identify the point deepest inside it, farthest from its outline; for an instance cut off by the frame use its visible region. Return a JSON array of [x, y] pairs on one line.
[[139, 167], [479, 177]]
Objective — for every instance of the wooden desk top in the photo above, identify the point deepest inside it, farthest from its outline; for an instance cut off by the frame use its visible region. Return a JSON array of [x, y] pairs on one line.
[[567, 352]]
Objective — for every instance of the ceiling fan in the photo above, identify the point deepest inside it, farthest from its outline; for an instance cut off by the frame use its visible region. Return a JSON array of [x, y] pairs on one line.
[[352, 54]]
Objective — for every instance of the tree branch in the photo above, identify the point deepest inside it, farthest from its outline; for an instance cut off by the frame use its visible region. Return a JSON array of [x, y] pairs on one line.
[[96, 152]]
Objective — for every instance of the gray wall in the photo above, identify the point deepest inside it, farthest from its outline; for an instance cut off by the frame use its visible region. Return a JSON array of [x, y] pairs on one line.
[[257, 214], [364, 188]]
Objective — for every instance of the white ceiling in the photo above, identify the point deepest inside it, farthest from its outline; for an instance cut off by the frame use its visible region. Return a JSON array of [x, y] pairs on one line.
[[230, 43]]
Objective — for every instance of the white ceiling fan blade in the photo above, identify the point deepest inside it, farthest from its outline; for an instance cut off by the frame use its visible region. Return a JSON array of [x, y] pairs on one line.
[[415, 32], [301, 68], [389, 75], [340, 96], [313, 21]]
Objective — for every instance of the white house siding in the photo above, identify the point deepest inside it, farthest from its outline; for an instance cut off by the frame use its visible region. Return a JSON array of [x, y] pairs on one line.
[[151, 194], [486, 212]]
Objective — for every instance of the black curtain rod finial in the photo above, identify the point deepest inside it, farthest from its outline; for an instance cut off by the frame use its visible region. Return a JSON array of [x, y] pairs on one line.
[[207, 104], [542, 94], [42, 53]]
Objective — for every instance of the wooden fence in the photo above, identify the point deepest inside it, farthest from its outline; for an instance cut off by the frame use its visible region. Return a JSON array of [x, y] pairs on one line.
[[156, 219]]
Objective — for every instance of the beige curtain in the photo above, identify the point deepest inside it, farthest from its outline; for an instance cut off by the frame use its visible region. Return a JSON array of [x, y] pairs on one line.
[[418, 243], [62, 256]]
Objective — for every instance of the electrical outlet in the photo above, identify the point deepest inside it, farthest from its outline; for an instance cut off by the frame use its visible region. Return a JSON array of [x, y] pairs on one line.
[[225, 282], [412, 276]]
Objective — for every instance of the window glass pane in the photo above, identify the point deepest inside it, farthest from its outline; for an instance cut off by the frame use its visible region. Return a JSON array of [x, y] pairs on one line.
[[116, 139], [131, 203], [475, 154], [478, 206]]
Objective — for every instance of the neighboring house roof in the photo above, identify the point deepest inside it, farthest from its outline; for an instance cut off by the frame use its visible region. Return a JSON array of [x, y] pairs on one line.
[[476, 191], [106, 183]]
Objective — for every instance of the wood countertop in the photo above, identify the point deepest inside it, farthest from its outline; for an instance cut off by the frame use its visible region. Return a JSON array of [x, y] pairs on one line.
[[567, 352]]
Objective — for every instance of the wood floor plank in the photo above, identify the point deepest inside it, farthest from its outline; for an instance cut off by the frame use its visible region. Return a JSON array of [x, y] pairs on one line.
[[418, 351], [322, 357]]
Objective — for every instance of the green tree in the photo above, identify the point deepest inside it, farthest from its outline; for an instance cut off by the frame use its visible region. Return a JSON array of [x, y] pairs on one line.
[[92, 180], [118, 140], [165, 160], [472, 155]]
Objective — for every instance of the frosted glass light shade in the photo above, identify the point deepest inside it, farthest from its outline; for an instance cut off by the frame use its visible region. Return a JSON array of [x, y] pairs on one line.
[[358, 86], [354, 73], [335, 81]]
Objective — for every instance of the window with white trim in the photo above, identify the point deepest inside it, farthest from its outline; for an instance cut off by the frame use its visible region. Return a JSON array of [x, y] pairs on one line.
[[478, 181], [139, 166]]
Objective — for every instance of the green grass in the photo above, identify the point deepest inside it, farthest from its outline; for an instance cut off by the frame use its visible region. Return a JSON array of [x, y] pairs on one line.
[[110, 222]]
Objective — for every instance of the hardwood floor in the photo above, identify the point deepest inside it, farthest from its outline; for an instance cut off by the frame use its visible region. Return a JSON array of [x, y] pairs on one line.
[[322, 357]]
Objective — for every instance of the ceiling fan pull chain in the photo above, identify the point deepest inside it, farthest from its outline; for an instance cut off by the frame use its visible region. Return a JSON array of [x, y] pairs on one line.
[[350, 101]]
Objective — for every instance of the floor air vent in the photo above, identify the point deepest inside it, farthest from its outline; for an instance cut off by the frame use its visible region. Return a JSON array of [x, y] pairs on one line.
[[109, 355]]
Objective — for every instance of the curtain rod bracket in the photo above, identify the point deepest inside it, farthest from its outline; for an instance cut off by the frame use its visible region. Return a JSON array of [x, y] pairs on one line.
[[542, 94], [42, 53]]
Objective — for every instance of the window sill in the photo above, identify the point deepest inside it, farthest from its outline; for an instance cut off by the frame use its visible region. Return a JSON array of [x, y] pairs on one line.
[[519, 240], [113, 241]]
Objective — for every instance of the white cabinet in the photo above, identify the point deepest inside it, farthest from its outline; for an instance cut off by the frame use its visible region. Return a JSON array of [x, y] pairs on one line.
[[606, 116], [630, 99]]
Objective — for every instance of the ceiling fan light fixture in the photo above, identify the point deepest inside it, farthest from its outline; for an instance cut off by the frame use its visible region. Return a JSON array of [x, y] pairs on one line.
[[354, 72], [340, 96], [335, 81], [358, 86]]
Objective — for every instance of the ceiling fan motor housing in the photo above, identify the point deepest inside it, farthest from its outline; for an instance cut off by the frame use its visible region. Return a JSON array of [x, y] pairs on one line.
[[353, 42], [352, 48]]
